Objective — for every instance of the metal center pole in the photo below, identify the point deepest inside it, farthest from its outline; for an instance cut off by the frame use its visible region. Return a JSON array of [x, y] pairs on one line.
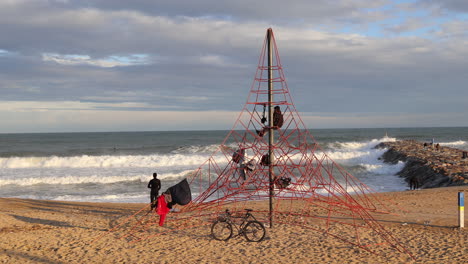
[[270, 123]]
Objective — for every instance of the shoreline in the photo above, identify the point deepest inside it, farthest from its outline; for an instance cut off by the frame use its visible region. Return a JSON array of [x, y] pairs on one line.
[[40, 231]]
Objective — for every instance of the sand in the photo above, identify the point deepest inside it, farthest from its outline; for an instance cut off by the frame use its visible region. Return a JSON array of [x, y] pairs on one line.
[[38, 231]]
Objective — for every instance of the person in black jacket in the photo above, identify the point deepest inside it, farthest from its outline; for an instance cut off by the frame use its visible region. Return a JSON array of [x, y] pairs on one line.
[[155, 185]]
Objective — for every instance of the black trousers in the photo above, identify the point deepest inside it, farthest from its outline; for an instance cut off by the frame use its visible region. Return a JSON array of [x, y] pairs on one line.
[[153, 196]]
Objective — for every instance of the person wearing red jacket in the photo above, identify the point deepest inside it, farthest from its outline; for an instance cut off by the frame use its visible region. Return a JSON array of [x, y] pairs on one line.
[[162, 209]]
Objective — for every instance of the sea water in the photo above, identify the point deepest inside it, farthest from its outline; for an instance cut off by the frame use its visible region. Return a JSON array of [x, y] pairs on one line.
[[116, 166]]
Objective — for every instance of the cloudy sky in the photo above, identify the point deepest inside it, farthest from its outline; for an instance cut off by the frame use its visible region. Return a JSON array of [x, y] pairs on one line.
[[119, 65]]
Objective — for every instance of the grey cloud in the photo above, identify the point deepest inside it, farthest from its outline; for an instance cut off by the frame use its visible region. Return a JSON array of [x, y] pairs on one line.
[[208, 63], [456, 30], [404, 74], [100, 34], [317, 11], [458, 6], [406, 26]]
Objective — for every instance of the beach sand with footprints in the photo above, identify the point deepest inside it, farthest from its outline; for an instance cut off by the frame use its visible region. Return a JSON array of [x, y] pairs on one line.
[[38, 231]]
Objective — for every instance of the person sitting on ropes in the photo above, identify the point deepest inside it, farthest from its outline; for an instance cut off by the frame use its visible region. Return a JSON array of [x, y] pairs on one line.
[[282, 182], [155, 185], [277, 121], [239, 158], [247, 167]]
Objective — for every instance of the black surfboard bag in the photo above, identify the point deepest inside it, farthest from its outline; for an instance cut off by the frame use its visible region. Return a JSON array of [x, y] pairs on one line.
[[181, 193]]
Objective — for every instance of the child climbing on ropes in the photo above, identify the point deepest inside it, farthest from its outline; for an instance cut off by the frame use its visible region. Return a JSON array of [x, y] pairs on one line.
[[277, 121], [247, 167], [239, 158], [282, 182]]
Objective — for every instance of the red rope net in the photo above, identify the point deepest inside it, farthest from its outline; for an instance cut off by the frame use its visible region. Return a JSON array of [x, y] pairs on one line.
[[319, 195]]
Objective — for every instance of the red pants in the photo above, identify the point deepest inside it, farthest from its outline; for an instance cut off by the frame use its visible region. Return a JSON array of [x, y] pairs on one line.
[[161, 219]]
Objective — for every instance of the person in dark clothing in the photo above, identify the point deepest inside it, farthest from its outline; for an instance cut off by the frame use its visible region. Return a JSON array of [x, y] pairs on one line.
[[277, 121], [414, 183], [155, 185], [277, 118]]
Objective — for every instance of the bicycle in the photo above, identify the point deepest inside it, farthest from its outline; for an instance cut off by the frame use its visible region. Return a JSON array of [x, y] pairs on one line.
[[253, 230]]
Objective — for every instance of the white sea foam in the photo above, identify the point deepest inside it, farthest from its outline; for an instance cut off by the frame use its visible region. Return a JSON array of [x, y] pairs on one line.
[[82, 179], [364, 159], [117, 198], [358, 152], [363, 145], [115, 173], [196, 149], [384, 169], [105, 161], [457, 143]]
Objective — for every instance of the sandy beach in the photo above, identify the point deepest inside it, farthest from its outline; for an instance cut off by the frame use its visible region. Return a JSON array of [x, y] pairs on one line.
[[38, 231]]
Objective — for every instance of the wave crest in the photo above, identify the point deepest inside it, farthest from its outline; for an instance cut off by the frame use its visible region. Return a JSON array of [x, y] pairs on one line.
[[99, 179], [106, 161]]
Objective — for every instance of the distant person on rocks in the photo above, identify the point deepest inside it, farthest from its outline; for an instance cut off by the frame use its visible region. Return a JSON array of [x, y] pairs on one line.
[[414, 183], [155, 185], [437, 146]]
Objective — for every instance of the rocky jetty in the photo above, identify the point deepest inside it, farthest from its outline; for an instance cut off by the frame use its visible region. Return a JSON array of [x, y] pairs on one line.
[[427, 165]]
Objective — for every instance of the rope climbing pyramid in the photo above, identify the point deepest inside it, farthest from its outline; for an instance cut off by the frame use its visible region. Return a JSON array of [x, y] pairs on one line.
[[270, 162]]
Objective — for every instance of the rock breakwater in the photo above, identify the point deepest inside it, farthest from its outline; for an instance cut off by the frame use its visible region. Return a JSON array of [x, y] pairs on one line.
[[427, 165]]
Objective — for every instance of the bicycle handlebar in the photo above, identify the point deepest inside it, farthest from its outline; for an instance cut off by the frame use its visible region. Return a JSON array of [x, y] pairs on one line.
[[245, 216]]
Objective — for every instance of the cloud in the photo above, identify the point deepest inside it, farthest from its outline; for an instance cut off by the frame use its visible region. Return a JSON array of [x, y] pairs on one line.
[[319, 11], [457, 6], [338, 56], [408, 25], [454, 30], [86, 60]]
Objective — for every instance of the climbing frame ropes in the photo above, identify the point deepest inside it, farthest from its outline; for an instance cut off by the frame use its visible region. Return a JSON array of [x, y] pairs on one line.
[[270, 162]]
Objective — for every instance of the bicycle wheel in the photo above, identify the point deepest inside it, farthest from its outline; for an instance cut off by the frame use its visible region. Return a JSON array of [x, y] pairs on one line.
[[254, 231], [221, 230]]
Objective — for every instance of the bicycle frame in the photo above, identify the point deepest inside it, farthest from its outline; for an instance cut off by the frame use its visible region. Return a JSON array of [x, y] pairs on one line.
[[244, 220]]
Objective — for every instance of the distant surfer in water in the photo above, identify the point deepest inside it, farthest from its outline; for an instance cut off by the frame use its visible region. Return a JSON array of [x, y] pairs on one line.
[[155, 185]]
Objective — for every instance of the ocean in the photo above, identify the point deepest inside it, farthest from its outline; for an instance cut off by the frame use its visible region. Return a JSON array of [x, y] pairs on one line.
[[116, 166]]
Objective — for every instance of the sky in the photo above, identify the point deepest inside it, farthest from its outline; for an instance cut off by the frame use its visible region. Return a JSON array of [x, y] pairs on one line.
[[158, 65]]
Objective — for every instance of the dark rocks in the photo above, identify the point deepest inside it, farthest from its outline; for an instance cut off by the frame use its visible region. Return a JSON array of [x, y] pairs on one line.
[[428, 165]]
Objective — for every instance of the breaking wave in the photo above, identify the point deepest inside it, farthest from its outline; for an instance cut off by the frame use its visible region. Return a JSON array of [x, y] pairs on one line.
[[124, 178], [454, 144], [106, 161], [83, 179]]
